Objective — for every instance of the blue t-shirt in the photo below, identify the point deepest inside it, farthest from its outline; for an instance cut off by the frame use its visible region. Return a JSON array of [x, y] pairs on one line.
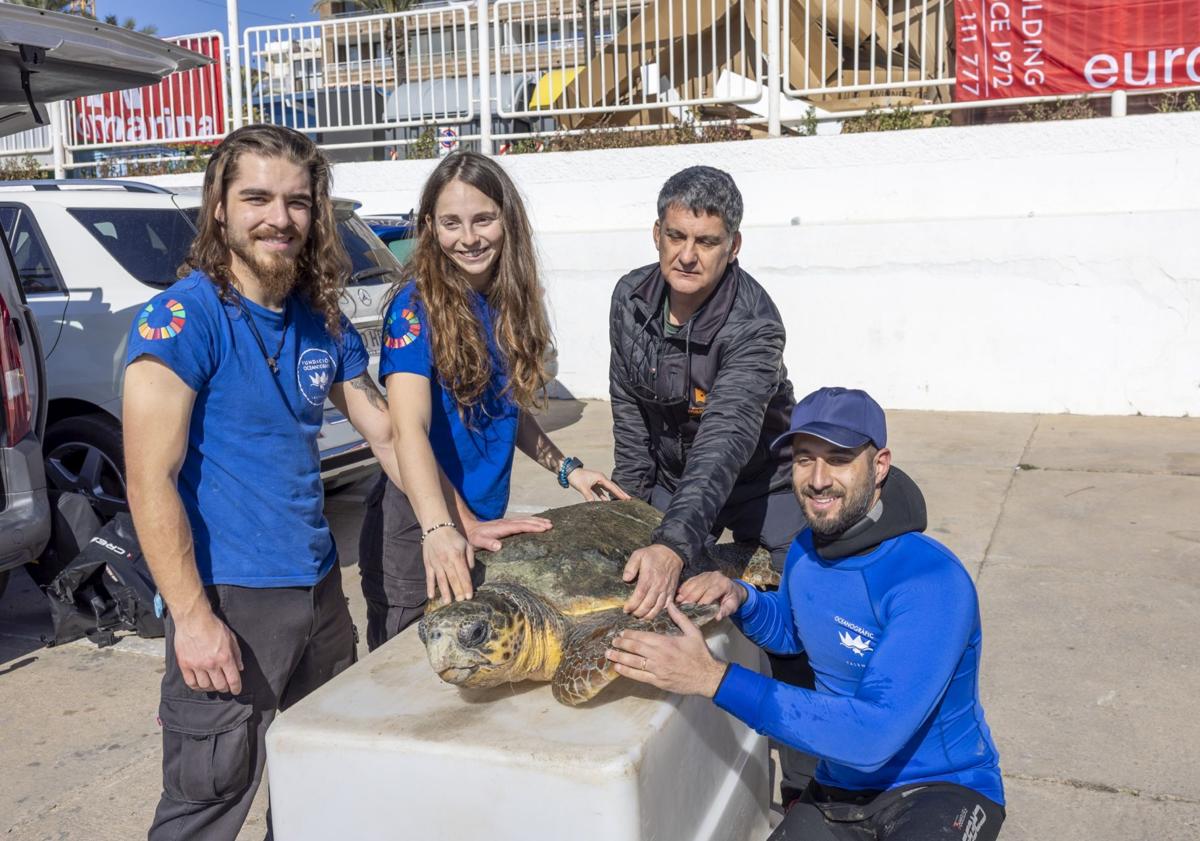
[[475, 455], [251, 478], [894, 638]]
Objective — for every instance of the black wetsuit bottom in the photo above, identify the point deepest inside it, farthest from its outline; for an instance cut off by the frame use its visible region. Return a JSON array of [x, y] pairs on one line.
[[920, 812]]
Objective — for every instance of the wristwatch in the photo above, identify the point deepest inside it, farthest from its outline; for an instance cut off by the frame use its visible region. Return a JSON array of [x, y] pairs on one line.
[[569, 464]]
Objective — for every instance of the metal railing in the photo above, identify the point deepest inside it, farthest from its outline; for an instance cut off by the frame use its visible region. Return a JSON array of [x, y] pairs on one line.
[[480, 69], [184, 108], [157, 120], [613, 62], [364, 75], [35, 141], [841, 49]]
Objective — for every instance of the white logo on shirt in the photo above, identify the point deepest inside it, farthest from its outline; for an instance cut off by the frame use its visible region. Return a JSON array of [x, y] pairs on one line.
[[855, 643], [314, 372]]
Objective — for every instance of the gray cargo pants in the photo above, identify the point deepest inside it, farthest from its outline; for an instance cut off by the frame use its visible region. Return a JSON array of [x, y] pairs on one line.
[[292, 639], [391, 563]]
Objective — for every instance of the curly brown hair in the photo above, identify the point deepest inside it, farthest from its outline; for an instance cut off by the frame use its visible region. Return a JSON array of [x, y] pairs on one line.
[[323, 265], [515, 294]]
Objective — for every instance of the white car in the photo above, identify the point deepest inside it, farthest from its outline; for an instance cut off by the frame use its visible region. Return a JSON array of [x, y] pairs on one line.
[[88, 254], [46, 57]]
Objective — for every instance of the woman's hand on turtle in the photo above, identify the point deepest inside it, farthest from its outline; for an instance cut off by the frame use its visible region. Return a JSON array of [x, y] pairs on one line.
[[677, 664], [594, 486], [657, 570], [487, 534], [713, 588], [449, 560]]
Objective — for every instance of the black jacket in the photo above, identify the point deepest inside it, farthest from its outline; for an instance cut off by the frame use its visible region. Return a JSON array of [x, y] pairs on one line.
[[696, 413]]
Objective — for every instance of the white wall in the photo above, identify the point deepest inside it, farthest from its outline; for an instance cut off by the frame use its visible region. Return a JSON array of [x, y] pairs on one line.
[[1033, 267]]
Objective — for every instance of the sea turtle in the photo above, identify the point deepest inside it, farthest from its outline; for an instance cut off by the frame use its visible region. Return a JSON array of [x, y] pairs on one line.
[[552, 602]]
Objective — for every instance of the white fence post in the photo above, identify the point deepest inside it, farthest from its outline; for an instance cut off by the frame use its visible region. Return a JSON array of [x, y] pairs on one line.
[[485, 78], [774, 67], [58, 118], [235, 61], [1120, 103]]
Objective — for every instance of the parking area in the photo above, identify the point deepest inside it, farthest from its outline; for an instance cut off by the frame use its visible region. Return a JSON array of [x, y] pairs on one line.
[[1079, 531]]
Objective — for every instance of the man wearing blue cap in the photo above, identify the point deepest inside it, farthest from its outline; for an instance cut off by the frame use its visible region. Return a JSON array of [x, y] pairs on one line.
[[890, 621]]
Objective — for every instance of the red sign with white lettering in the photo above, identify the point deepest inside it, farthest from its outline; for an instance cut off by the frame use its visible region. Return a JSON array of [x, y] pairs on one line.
[[185, 107], [1011, 48]]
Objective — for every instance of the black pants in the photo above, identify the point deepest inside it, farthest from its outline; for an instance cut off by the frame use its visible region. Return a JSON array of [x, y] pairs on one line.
[[391, 564], [292, 639], [912, 813], [773, 521]]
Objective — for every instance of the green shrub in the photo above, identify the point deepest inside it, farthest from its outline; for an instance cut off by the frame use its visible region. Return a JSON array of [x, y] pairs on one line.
[[425, 146], [899, 119], [24, 168], [676, 135], [1172, 103], [1059, 109]]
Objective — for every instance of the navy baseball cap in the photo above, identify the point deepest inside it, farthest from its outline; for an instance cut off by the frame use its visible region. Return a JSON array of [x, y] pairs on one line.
[[845, 417]]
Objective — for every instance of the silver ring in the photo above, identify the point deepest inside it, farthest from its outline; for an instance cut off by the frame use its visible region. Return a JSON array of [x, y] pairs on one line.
[[645, 663]]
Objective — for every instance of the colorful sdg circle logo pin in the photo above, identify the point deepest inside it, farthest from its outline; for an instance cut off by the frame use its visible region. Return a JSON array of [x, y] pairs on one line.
[[163, 321], [411, 333]]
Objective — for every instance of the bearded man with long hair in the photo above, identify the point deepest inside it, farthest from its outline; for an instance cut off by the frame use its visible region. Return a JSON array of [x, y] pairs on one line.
[[464, 361], [227, 375]]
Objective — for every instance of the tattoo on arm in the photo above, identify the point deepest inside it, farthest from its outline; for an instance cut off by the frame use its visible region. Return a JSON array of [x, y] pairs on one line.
[[366, 385]]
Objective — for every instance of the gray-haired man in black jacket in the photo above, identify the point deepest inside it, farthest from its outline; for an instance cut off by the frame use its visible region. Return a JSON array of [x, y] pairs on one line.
[[699, 393]]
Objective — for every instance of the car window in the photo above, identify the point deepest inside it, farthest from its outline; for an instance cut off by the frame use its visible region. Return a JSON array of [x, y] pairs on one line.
[[401, 248], [370, 259], [35, 269], [149, 243]]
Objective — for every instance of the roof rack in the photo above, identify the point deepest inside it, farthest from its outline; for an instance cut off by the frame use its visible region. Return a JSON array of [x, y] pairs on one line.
[[84, 183]]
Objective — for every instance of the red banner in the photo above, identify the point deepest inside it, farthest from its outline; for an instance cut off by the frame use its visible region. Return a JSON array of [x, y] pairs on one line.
[[185, 107], [1011, 48]]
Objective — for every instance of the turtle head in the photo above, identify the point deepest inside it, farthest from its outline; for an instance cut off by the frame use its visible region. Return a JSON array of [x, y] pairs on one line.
[[479, 642]]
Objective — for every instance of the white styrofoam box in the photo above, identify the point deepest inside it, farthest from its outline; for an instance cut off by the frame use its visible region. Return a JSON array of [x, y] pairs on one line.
[[387, 750]]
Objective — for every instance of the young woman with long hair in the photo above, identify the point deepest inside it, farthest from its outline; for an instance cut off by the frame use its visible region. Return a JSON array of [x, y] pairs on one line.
[[463, 359]]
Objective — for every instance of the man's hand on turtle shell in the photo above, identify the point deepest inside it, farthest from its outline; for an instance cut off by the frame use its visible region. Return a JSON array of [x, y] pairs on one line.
[[713, 588], [449, 560], [488, 534], [677, 664], [594, 486], [657, 568]]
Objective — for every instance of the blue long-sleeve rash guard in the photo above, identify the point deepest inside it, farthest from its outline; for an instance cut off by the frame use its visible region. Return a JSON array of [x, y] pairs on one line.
[[894, 638]]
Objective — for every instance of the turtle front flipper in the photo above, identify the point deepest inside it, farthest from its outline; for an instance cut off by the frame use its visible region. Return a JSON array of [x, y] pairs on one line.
[[584, 670], [745, 560]]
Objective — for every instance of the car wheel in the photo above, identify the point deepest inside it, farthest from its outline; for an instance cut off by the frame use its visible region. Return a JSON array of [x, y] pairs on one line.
[[4, 581], [85, 455]]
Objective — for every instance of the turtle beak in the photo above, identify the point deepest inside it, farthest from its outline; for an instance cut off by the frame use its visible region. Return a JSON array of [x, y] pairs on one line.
[[457, 676], [446, 656]]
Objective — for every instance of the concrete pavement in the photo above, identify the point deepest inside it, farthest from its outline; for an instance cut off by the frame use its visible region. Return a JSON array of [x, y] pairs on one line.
[[1081, 533]]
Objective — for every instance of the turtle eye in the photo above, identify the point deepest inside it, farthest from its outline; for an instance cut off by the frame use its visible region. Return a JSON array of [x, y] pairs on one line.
[[473, 634]]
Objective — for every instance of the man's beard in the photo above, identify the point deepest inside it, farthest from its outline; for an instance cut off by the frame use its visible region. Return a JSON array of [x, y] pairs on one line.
[[276, 274], [855, 503]]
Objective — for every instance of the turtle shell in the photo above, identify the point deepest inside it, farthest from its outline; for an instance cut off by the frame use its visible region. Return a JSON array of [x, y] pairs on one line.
[[576, 566]]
